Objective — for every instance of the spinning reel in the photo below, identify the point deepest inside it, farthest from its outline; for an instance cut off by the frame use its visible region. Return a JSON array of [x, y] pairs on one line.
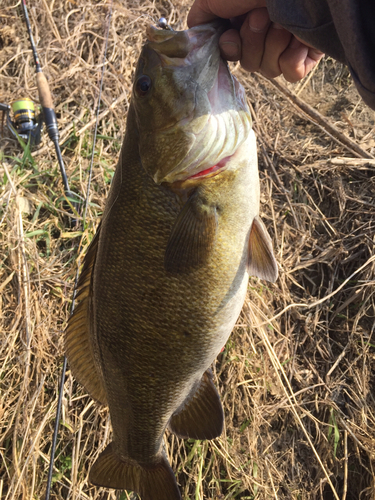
[[27, 121]]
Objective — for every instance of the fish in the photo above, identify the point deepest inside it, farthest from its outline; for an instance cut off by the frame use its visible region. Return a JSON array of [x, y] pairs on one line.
[[165, 277]]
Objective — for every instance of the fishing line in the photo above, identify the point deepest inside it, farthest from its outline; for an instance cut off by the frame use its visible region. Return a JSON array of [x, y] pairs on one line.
[[97, 114], [63, 372]]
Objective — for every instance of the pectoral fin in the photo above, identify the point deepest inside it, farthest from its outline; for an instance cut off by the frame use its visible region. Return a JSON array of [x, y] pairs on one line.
[[201, 415], [192, 237], [261, 261]]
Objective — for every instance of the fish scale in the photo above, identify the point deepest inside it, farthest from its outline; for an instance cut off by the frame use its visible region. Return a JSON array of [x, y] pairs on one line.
[[166, 276]]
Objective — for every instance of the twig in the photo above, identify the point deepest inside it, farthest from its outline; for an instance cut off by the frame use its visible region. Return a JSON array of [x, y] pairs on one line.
[[5, 282], [303, 84], [104, 113], [319, 120], [291, 398], [52, 22], [24, 280], [345, 487], [333, 368], [351, 161], [320, 301], [270, 476]]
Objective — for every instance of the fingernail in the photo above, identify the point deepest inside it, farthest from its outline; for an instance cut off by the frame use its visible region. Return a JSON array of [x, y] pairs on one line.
[[258, 23], [230, 49]]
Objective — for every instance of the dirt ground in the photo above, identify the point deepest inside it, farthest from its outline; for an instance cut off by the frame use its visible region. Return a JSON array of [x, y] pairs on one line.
[[297, 375]]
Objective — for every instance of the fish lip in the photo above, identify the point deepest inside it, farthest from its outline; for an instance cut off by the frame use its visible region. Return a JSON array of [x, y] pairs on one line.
[[157, 35], [181, 46]]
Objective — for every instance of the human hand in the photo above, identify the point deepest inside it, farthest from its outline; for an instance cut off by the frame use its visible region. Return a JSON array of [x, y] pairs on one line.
[[257, 42]]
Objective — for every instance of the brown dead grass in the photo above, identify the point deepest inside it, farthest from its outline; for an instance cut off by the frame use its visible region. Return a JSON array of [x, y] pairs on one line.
[[297, 375]]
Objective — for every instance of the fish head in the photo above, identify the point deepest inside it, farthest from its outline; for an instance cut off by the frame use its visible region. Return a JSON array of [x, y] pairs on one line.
[[191, 113]]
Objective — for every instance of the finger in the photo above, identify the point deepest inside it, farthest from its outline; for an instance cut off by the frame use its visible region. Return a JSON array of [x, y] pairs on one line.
[[204, 11], [253, 35], [298, 60], [277, 41], [230, 45]]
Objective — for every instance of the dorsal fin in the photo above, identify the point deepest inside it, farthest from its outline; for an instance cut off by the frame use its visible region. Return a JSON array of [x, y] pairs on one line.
[[261, 261], [78, 340]]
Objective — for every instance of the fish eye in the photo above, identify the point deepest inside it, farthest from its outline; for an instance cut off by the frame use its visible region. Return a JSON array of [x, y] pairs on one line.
[[143, 85]]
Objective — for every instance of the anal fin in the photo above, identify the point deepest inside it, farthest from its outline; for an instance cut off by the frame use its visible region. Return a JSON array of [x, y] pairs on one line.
[[261, 261], [201, 415], [152, 482]]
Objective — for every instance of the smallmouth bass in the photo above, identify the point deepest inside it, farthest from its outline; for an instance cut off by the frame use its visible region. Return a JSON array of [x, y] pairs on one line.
[[165, 277]]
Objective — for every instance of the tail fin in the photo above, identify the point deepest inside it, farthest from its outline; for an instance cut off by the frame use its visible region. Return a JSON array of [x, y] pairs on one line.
[[151, 482]]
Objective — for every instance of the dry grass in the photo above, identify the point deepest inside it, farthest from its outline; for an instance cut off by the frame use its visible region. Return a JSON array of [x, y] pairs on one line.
[[296, 376]]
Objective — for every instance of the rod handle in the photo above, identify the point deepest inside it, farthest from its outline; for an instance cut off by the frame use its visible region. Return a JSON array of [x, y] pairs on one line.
[[44, 91], [45, 98]]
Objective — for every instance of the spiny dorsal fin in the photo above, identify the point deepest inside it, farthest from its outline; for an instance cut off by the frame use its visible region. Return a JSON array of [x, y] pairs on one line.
[[261, 261], [201, 415], [155, 481], [192, 237], [78, 342]]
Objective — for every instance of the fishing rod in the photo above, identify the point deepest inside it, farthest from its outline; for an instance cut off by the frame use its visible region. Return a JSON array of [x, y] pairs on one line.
[[45, 98], [53, 132], [63, 371], [49, 114]]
